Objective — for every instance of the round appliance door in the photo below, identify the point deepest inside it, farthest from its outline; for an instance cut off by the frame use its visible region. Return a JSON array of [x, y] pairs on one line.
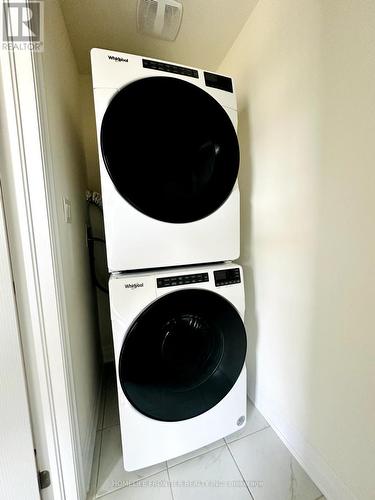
[[182, 355], [170, 149]]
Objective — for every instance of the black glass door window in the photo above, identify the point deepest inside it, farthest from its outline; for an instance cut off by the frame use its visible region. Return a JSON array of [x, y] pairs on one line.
[[182, 355], [170, 149]]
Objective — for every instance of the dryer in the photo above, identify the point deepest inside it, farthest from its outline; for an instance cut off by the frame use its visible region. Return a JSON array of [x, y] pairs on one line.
[[169, 160], [180, 348]]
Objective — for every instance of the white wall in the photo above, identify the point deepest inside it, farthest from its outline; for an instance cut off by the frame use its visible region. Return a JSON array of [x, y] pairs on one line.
[[305, 74], [89, 132], [69, 172]]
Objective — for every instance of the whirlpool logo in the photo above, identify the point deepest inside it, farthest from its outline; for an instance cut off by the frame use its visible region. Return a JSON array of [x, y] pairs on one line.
[[134, 286], [118, 59]]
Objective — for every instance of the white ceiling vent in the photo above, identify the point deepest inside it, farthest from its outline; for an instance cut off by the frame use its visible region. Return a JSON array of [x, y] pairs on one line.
[[159, 18]]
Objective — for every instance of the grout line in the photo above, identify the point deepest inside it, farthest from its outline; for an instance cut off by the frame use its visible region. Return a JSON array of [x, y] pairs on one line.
[[239, 470], [196, 456], [219, 446], [130, 485], [170, 482], [247, 435], [99, 460]]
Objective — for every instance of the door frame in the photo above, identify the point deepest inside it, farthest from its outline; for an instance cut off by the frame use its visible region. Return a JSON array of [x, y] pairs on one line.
[[27, 182], [17, 458]]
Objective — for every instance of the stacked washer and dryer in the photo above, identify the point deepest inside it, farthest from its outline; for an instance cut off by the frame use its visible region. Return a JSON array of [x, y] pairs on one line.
[[169, 161]]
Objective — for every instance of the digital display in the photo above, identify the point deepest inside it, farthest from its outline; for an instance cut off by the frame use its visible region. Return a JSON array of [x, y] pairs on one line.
[[218, 81], [211, 77], [227, 276], [220, 275]]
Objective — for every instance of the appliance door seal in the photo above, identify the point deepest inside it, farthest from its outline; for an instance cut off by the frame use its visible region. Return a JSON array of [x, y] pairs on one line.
[[182, 355]]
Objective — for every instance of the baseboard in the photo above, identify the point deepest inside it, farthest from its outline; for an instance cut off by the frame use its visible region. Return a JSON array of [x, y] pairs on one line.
[[313, 463], [89, 443]]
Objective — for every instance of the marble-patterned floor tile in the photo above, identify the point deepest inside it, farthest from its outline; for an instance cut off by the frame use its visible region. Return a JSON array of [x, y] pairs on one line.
[[270, 469], [112, 474], [212, 476], [195, 453], [155, 487]]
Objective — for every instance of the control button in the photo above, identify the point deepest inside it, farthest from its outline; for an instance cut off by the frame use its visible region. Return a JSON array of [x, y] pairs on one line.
[[170, 68], [182, 280]]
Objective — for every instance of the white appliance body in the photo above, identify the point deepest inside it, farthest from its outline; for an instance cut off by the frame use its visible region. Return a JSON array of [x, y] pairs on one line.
[[145, 440], [135, 240]]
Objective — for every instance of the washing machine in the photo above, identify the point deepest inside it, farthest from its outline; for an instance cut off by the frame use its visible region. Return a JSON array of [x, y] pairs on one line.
[[169, 160], [180, 347]]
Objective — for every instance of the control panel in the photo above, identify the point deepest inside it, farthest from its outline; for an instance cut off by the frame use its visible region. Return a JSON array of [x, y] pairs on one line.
[[227, 276], [186, 279], [218, 82], [170, 68]]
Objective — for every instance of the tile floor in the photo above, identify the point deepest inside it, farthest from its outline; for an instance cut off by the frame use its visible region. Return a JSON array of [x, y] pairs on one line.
[[252, 464]]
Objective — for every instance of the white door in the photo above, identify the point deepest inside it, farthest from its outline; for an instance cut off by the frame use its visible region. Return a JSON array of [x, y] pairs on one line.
[[18, 474]]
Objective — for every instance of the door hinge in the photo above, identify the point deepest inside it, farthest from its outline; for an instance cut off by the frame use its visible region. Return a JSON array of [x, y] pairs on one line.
[[44, 479]]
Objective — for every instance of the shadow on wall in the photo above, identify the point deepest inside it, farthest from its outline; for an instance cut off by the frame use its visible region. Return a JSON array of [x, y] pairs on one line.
[[96, 218], [245, 181], [102, 276]]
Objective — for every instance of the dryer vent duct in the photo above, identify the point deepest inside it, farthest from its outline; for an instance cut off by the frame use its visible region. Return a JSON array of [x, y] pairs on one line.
[[159, 18]]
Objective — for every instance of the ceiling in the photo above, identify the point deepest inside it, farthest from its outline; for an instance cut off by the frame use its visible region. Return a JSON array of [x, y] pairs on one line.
[[209, 27]]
